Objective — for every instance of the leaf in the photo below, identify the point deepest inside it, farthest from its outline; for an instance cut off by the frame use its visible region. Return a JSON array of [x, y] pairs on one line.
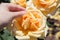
[[6, 35]]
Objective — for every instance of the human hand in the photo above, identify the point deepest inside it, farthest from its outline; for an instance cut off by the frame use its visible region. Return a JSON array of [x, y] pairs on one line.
[[8, 11]]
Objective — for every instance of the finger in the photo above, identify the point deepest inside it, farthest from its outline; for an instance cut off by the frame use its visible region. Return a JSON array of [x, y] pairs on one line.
[[18, 13], [15, 9]]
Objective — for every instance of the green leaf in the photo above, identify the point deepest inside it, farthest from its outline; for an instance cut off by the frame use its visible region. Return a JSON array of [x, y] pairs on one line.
[[6, 35]]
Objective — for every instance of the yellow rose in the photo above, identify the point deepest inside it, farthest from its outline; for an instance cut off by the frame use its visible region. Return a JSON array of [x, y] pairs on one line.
[[46, 6], [31, 24], [19, 2]]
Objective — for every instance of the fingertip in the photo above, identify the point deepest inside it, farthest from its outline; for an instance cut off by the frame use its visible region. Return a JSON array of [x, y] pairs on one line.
[[22, 13], [19, 13]]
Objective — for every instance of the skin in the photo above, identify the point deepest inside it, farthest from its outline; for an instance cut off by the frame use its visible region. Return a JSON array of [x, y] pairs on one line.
[[9, 11]]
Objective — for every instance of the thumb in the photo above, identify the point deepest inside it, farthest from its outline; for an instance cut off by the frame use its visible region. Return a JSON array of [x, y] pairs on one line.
[[18, 13]]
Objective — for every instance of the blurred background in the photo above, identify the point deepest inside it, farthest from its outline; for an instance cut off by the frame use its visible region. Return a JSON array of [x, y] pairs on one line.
[[8, 1]]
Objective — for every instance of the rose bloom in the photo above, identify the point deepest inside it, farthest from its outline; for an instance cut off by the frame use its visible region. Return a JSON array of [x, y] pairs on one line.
[[46, 6], [31, 24], [19, 2]]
